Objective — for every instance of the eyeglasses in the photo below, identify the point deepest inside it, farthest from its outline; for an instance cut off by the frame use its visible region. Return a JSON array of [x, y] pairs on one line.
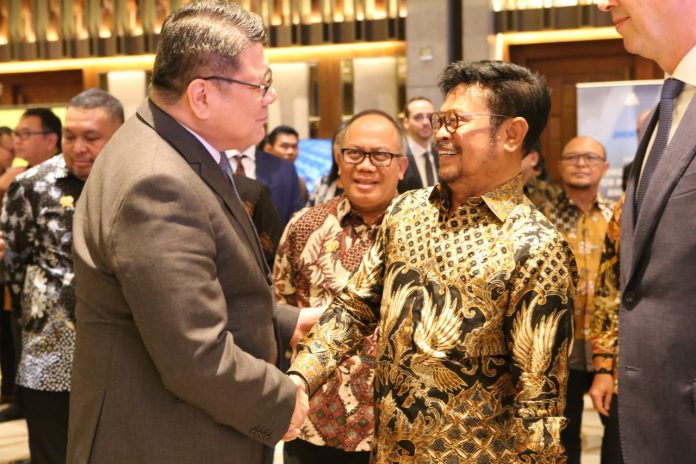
[[452, 120], [592, 159], [25, 134], [264, 88], [379, 159]]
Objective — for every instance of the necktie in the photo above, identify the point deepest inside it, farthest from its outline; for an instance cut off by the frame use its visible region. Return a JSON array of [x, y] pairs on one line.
[[429, 178], [670, 90], [227, 170], [240, 167]]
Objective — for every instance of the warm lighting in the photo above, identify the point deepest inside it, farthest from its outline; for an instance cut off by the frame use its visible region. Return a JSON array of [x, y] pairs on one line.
[[511, 5], [309, 53], [109, 63], [503, 41], [305, 53]]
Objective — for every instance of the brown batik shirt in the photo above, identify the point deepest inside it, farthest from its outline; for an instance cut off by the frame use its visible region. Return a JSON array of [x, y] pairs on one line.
[[474, 316], [585, 233], [320, 248]]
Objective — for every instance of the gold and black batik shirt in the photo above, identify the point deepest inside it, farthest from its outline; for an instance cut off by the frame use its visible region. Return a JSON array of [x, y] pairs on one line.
[[474, 319]]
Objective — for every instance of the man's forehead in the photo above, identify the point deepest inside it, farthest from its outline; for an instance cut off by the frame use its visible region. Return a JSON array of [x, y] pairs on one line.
[[467, 94], [420, 106], [285, 138], [29, 121]]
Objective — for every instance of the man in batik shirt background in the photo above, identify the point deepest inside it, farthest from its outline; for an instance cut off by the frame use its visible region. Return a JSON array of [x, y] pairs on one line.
[[37, 222], [471, 290], [320, 248], [581, 214]]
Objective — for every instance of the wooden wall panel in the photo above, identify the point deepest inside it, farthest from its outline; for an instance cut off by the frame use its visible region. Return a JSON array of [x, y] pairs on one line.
[[565, 64], [40, 88]]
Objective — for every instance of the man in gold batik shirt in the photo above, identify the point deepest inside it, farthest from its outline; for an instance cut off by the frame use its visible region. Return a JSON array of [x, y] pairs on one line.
[[604, 335], [581, 215], [471, 290]]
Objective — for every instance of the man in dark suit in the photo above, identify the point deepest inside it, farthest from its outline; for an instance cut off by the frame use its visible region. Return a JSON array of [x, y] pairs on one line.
[[177, 333], [423, 162], [278, 174], [259, 204], [657, 317]]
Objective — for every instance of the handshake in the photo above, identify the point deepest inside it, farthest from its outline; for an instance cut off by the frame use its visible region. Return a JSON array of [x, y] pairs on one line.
[[308, 317], [301, 409]]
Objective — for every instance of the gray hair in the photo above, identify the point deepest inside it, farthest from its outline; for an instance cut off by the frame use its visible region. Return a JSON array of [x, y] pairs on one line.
[[202, 37], [97, 98], [403, 142]]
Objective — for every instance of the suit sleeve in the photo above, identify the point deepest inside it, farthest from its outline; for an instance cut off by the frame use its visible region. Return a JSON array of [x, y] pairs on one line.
[[297, 200], [165, 256]]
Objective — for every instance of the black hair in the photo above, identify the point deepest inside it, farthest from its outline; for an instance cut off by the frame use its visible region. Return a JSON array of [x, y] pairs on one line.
[[513, 91], [273, 135], [49, 122]]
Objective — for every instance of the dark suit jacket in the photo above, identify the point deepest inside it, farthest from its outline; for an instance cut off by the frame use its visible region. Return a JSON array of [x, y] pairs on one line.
[[281, 177], [177, 337], [259, 204], [412, 179], [657, 319]]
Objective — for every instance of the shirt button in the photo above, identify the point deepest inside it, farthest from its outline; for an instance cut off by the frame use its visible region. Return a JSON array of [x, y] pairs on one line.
[[630, 297]]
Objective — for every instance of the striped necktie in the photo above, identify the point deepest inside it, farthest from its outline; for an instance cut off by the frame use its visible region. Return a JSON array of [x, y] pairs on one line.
[[670, 90]]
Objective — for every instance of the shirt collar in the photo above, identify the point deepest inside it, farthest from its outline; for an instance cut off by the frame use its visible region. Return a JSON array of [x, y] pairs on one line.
[[686, 69], [501, 200], [416, 148], [213, 152], [600, 203], [249, 152], [62, 170], [347, 215]]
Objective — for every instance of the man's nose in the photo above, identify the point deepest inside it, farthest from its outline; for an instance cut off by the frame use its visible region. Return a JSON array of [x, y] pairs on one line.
[[605, 5]]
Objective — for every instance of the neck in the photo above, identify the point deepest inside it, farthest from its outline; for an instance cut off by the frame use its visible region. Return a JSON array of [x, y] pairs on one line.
[[669, 62], [583, 197], [41, 159], [461, 193]]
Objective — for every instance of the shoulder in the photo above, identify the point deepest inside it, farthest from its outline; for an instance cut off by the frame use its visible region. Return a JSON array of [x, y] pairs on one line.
[[39, 177], [408, 201], [307, 220], [534, 235]]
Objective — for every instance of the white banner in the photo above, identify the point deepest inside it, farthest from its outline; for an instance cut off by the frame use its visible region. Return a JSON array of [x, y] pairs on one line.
[[608, 111]]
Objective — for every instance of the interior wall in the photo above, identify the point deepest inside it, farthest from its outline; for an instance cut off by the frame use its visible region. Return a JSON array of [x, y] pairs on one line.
[[291, 108], [375, 85]]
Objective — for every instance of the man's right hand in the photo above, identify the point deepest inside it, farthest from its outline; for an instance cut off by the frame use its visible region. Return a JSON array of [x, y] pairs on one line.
[[301, 409], [601, 392]]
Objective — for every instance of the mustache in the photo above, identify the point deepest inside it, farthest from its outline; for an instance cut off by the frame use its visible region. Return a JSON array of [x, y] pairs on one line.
[[445, 146]]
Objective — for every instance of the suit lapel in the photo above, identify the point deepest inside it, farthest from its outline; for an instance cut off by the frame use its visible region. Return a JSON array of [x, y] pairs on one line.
[[204, 165], [677, 156]]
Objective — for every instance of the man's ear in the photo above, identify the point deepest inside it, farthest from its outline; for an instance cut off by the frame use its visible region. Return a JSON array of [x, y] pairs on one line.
[[53, 140], [514, 131], [197, 97], [403, 166]]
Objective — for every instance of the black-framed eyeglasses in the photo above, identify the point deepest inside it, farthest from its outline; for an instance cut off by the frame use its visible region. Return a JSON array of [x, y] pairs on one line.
[[452, 120], [379, 159], [264, 88], [25, 134], [592, 159]]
